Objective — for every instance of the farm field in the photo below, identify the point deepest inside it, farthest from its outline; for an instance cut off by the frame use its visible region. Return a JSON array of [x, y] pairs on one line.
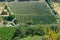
[[32, 12], [6, 33]]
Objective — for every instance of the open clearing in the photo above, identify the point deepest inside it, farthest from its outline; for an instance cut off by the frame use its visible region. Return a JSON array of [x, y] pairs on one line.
[[56, 7]]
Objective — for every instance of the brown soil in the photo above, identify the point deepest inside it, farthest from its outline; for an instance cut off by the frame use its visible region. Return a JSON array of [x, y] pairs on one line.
[[56, 7]]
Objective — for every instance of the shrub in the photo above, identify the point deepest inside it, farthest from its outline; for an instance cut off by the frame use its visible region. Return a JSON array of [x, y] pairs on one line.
[[54, 12], [54, 28], [16, 21], [32, 38], [38, 30], [6, 8], [50, 3], [20, 32], [5, 22], [10, 18], [2, 0], [16, 38], [45, 37], [5, 18], [24, 31], [4, 13]]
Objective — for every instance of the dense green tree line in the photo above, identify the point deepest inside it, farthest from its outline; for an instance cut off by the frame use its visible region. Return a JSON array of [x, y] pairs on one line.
[[38, 30]]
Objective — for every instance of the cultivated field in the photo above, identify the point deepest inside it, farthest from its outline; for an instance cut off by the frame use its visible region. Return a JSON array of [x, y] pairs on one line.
[[33, 12]]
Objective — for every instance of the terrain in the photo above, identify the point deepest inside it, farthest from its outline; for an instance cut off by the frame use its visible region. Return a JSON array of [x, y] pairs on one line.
[[30, 20]]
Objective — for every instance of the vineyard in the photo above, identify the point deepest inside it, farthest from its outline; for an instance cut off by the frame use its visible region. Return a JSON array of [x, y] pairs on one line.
[[29, 8], [6, 33], [32, 12]]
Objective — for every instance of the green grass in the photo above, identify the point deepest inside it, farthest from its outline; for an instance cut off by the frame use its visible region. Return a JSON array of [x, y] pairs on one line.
[[6, 33]]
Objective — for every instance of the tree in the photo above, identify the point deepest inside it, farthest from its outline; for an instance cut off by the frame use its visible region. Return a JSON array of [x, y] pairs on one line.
[[9, 0], [2, 0], [9, 18]]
